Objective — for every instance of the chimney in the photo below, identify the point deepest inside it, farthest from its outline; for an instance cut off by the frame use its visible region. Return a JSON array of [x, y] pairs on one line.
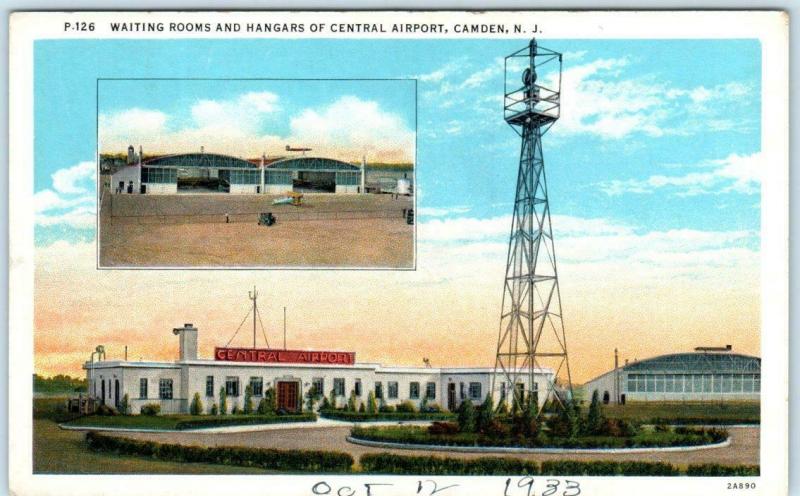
[[616, 359], [728, 347], [187, 336]]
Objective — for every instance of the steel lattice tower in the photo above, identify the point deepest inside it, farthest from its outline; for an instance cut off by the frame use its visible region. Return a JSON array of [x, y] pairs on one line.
[[531, 333]]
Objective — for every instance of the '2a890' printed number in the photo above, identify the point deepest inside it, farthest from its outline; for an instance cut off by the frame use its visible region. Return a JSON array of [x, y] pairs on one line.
[[741, 485]]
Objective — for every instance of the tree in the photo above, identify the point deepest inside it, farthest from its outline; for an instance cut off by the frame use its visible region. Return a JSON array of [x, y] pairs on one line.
[[332, 399], [325, 405], [247, 408], [263, 407], [196, 408], [466, 416], [351, 402], [485, 413], [361, 408], [594, 420], [223, 401], [214, 410], [312, 396], [423, 406], [124, 405], [502, 408], [372, 405], [272, 400]]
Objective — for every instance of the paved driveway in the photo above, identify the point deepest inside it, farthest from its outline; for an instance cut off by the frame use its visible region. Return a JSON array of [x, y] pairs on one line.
[[743, 449]]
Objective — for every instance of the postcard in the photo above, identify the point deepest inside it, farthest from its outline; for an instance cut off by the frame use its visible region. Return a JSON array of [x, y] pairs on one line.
[[399, 253]]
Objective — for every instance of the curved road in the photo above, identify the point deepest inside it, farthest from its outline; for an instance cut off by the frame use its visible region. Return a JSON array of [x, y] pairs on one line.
[[744, 447]]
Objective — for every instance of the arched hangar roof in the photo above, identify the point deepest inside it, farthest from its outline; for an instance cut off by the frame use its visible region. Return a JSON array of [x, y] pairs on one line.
[[698, 362], [212, 160], [313, 163]]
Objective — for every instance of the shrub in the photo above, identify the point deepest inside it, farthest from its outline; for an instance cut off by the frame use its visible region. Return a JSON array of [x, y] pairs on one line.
[[272, 400], [150, 409], [124, 405], [662, 428], [717, 470], [272, 459], [372, 405], [223, 401], [196, 408], [406, 407], [485, 413], [332, 398], [502, 408], [216, 421], [439, 428], [214, 409], [360, 417], [496, 430], [312, 396], [433, 408], [247, 408], [106, 411], [574, 467], [351, 401], [386, 463], [594, 419], [325, 405], [361, 408], [466, 416], [387, 408], [236, 410]]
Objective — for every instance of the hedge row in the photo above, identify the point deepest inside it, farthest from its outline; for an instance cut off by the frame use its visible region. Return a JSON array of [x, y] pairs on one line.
[[387, 463], [702, 421], [219, 420], [366, 417], [717, 470], [272, 459]]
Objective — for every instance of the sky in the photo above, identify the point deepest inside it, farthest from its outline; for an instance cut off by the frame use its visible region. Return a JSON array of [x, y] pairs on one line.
[[653, 177]]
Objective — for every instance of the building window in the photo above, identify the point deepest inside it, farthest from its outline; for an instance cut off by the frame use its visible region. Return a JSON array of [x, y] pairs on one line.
[[378, 391], [393, 390], [413, 390], [210, 386], [461, 394], [697, 383], [143, 388], [256, 386], [358, 387], [318, 383], [430, 391], [474, 390], [707, 382], [659, 383], [232, 386], [165, 389], [338, 386], [669, 383], [651, 383], [747, 385], [757, 383]]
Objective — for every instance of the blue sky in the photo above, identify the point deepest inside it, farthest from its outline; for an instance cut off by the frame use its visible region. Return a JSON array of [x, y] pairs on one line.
[[655, 135]]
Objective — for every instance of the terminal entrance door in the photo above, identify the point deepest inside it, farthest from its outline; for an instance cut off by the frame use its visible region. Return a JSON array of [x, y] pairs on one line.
[[287, 396], [451, 396]]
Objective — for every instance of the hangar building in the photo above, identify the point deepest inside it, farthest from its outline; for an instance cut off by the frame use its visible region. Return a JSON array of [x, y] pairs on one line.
[[212, 172], [707, 374]]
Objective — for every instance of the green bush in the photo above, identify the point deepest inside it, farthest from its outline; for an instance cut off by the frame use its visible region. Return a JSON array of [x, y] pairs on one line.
[[466, 416], [217, 421], [388, 415], [248, 400], [372, 405], [105, 410], [384, 408], [351, 402], [214, 409], [223, 401], [236, 410], [438, 428], [272, 400], [361, 408], [150, 409], [406, 407], [125, 405], [601, 467], [386, 463], [271, 459], [263, 407], [196, 408], [485, 414], [717, 470]]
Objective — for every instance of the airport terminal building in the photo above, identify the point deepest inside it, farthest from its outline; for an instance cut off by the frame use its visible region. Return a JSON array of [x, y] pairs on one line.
[[707, 374], [292, 373]]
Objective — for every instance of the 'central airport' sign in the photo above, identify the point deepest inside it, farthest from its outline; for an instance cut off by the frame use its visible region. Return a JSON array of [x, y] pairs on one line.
[[284, 356]]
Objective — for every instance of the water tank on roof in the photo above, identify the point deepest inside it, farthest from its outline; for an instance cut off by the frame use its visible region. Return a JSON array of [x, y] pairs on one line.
[[403, 187]]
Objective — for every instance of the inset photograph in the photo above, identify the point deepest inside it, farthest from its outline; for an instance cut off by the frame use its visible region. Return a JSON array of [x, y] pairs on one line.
[[256, 173]]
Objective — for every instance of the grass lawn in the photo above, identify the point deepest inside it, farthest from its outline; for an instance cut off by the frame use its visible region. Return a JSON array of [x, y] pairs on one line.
[[174, 422], [737, 412], [56, 451]]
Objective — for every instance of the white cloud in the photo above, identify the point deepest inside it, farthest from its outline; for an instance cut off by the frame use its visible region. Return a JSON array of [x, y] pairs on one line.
[[441, 212], [71, 198], [735, 173], [346, 129], [76, 179]]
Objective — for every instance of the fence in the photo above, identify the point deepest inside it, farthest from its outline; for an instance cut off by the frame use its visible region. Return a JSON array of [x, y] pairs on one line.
[[252, 217]]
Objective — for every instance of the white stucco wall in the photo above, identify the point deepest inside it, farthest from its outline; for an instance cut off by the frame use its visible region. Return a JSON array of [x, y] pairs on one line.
[[129, 173], [161, 188]]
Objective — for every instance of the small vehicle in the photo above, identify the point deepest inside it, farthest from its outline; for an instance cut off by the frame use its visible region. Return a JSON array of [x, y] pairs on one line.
[[266, 219]]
